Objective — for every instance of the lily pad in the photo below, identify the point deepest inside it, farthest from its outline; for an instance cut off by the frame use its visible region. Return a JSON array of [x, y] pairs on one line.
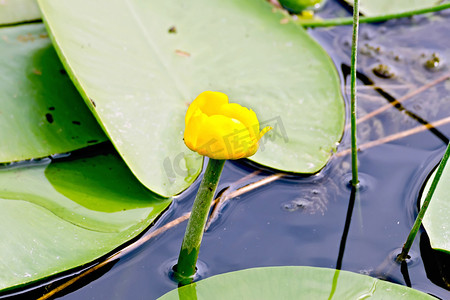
[[372, 8], [17, 11], [60, 215], [41, 112], [293, 283], [437, 217], [139, 72]]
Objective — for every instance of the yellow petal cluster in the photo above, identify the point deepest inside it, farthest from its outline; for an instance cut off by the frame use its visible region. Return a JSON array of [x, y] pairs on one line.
[[221, 130]]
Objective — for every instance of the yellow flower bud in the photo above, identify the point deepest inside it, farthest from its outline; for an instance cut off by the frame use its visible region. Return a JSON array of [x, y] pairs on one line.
[[221, 130]]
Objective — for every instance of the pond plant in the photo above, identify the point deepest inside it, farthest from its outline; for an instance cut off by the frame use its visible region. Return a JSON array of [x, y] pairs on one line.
[[219, 130], [109, 107]]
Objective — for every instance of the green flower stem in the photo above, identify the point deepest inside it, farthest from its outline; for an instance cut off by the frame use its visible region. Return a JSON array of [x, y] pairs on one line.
[[412, 235], [355, 180], [381, 18], [190, 247]]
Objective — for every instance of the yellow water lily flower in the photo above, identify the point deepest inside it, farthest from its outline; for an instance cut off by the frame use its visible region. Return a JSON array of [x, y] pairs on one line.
[[221, 130]]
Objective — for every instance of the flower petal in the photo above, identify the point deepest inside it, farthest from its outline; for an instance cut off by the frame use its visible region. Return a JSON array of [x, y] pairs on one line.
[[244, 115], [194, 129], [221, 130], [220, 137], [207, 102], [264, 131]]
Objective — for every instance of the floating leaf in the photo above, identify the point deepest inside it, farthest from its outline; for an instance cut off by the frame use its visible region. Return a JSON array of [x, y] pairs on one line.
[[16, 11], [437, 217], [382, 7], [41, 112], [60, 215], [293, 283], [139, 72]]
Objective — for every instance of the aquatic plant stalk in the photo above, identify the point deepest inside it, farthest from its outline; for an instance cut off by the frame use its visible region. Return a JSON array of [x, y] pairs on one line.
[[148, 237], [185, 269], [381, 18], [412, 235], [353, 92]]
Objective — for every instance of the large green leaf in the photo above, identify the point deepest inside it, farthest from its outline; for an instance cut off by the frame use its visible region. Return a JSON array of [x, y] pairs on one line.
[[382, 7], [41, 112], [437, 217], [16, 11], [141, 62], [60, 215], [293, 283]]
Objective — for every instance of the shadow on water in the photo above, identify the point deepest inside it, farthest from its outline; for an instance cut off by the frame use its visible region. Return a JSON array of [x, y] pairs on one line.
[[436, 263], [351, 203]]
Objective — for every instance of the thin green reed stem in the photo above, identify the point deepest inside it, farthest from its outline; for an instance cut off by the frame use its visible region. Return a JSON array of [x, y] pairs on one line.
[[190, 247], [381, 18], [353, 94], [423, 209]]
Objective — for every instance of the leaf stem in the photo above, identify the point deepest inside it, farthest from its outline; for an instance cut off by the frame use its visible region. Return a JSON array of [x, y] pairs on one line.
[[412, 235], [380, 18], [185, 269], [353, 93]]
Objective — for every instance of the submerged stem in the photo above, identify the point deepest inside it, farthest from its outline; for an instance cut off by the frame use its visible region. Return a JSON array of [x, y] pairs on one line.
[[185, 269], [412, 235], [381, 18], [353, 92]]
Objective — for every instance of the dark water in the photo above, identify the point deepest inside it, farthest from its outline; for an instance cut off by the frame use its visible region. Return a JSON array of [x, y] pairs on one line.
[[300, 220]]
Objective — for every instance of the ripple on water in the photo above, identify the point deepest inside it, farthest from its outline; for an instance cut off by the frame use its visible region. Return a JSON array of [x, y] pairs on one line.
[[366, 182], [166, 270]]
